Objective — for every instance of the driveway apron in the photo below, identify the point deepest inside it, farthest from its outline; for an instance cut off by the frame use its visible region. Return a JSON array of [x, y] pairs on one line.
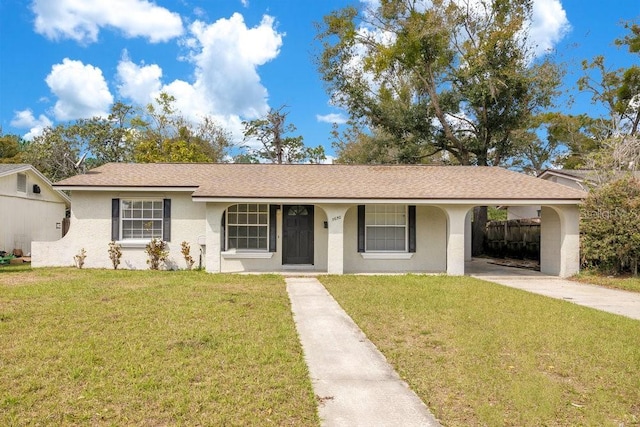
[[613, 301], [354, 384]]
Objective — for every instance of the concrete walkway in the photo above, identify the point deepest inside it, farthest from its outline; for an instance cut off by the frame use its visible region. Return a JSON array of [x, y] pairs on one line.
[[352, 380], [613, 301]]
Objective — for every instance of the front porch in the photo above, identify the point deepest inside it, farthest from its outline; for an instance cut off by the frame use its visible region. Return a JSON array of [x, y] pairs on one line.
[[335, 239]]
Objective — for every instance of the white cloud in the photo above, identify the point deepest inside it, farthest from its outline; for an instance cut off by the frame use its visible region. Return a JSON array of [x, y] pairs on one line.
[[549, 26], [81, 90], [331, 118], [226, 86], [26, 120], [329, 160], [226, 60], [140, 83], [81, 20]]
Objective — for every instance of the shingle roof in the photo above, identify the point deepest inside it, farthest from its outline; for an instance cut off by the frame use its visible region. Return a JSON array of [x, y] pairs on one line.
[[327, 181], [12, 167]]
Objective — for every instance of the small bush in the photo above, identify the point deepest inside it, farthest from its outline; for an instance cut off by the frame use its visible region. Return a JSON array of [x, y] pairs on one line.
[[115, 253], [158, 253], [186, 253], [79, 259]]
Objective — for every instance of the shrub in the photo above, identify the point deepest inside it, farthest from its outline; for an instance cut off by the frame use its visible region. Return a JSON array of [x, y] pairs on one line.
[[157, 251], [79, 258], [610, 227], [186, 253], [115, 253]]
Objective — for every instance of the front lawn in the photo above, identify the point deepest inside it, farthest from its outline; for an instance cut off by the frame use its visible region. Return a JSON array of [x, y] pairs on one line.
[[478, 353], [625, 283], [98, 347]]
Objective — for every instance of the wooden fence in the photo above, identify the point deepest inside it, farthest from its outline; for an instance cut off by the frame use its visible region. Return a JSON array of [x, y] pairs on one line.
[[516, 238]]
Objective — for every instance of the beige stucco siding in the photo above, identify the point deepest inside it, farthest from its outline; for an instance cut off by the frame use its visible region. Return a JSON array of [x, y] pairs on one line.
[[237, 262], [91, 229], [523, 212], [28, 216], [431, 242]]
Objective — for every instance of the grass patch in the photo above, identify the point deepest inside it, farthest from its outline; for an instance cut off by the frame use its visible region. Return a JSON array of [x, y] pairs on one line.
[[15, 268], [101, 347], [625, 283], [478, 353]]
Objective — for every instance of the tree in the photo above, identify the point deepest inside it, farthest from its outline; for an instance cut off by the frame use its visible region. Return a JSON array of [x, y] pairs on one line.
[[610, 227], [163, 135], [58, 151], [158, 133], [10, 148], [354, 145], [617, 92], [612, 138], [441, 76], [270, 132], [108, 139], [245, 157], [55, 153], [545, 140]]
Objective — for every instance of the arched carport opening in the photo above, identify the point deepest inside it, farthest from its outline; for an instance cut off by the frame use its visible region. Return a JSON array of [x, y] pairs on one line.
[[548, 234]]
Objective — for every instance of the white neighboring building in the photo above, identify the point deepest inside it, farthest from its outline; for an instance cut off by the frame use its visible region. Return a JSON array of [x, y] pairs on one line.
[[577, 179], [320, 218], [30, 208]]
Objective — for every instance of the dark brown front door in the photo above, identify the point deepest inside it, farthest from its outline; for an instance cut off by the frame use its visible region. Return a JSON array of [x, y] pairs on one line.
[[297, 244]]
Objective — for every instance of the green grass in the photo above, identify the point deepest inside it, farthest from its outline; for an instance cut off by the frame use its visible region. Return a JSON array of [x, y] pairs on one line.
[[626, 283], [14, 268], [478, 353], [98, 347]]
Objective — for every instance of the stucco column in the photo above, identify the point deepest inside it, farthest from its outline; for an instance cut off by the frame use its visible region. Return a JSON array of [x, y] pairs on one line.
[[560, 240], [335, 243], [214, 236], [456, 241], [468, 232]]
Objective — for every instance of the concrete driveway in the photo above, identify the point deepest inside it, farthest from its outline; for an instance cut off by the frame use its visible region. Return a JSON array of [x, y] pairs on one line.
[[613, 301]]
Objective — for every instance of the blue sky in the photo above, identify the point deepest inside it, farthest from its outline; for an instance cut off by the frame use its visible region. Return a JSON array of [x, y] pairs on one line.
[[231, 59]]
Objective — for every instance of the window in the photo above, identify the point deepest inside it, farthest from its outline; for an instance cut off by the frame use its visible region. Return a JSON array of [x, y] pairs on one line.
[[141, 219], [248, 227], [386, 228], [297, 210], [22, 183]]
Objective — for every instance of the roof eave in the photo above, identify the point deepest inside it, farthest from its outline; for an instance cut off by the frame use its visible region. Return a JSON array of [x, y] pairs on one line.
[[408, 201], [189, 189], [560, 174]]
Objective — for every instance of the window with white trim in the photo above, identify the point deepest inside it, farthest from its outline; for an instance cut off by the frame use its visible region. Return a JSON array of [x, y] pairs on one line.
[[22, 182], [141, 219], [386, 228], [248, 227]]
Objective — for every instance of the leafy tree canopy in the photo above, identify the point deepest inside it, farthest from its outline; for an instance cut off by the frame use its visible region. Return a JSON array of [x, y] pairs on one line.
[[156, 133], [440, 76], [10, 147], [275, 145], [610, 226], [163, 135], [609, 141]]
